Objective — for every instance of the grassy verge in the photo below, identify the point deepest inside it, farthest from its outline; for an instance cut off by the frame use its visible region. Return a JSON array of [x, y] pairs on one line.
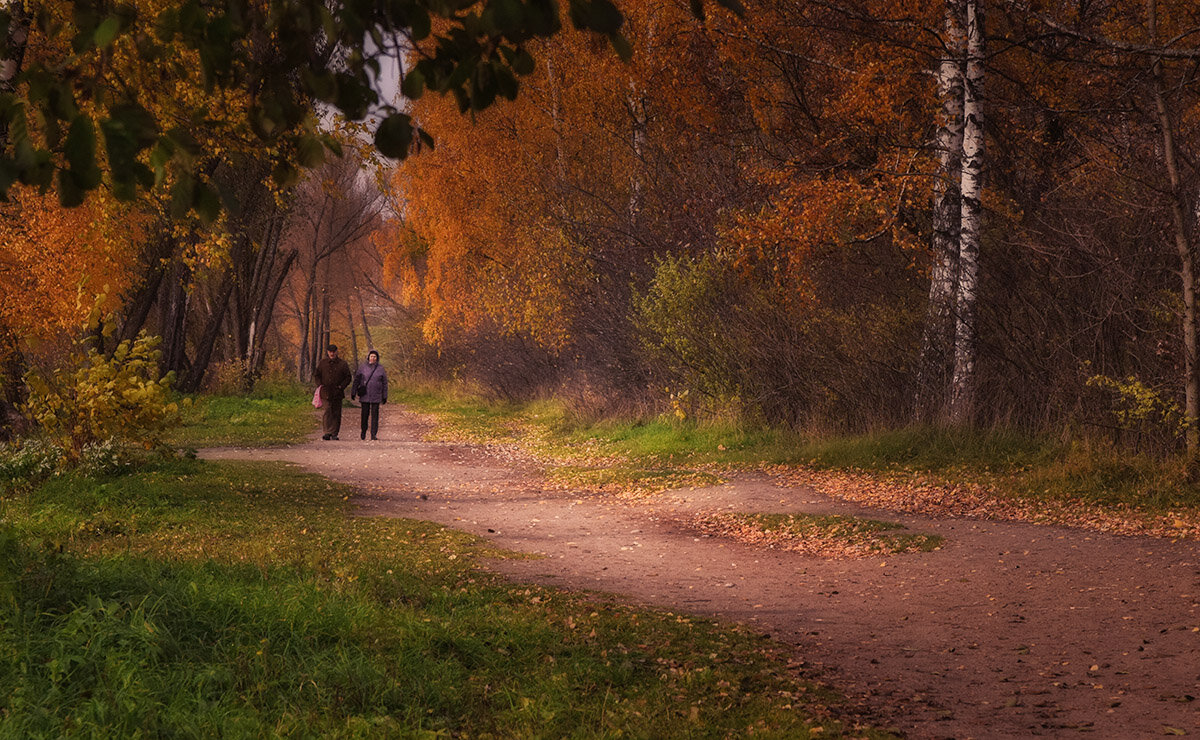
[[827, 535], [1017, 469], [280, 418], [464, 416], [241, 600]]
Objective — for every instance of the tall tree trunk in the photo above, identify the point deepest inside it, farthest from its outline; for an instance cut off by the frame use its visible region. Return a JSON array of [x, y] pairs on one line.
[[303, 369], [208, 340], [362, 308], [264, 318], [137, 309], [321, 335], [326, 322], [353, 333], [309, 334], [937, 340], [637, 111], [1183, 246], [174, 309], [638, 102], [963, 381]]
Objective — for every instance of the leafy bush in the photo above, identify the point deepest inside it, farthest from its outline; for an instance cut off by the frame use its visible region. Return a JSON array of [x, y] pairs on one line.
[[229, 378], [109, 457], [29, 460], [1141, 412], [96, 399], [681, 330], [727, 337]]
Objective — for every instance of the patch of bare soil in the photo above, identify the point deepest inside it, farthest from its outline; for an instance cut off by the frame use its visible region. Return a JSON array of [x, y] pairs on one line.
[[1009, 630]]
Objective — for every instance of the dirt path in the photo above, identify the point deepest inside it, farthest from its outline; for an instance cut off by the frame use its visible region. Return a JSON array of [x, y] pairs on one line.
[[1010, 630]]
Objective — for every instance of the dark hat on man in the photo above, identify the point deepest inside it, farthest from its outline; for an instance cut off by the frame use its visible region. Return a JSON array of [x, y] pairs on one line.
[[331, 348]]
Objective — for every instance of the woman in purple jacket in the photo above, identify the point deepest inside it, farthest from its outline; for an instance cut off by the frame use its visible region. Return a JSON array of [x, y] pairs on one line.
[[371, 387]]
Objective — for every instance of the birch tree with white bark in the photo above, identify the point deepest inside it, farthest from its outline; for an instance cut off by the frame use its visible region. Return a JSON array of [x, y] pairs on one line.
[[937, 341], [963, 381], [947, 371]]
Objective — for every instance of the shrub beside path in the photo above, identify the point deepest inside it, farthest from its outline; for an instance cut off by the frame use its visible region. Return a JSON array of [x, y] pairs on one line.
[[1009, 630]]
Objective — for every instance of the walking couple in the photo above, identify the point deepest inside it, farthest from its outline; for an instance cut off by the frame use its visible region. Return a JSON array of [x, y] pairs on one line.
[[369, 385]]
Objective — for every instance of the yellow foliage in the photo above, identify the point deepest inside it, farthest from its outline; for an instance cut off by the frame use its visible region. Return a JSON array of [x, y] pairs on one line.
[[99, 398], [1136, 405]]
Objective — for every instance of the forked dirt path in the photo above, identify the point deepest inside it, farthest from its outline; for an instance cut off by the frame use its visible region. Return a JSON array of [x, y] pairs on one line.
[[1010, 630]]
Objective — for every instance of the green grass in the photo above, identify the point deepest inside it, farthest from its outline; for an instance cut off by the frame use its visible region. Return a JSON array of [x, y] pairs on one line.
[[206, 599], [243, 421], [928, 449], [867, 535], [626, 477], [462, 415], [1010, 464], [1105, 477]]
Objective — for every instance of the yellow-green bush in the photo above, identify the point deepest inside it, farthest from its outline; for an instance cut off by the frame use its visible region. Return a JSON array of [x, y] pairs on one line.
[[724, 339], [1138, 409], [102, 399]]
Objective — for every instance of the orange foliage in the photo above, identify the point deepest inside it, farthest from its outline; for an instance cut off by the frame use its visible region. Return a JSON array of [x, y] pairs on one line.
[[56, 262], [830, 107], [519, 210], [842, 102], [483, 244], [807, 217]]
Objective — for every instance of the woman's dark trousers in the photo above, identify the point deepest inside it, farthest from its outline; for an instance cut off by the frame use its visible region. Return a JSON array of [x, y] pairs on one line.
[[370, 411]]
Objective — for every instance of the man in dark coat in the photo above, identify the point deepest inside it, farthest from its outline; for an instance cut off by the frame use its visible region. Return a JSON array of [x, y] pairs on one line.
[[332, 375]]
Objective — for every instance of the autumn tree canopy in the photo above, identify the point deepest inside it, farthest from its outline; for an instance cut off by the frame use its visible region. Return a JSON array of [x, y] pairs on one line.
[[59, 110], [946, 210], [833, 214]]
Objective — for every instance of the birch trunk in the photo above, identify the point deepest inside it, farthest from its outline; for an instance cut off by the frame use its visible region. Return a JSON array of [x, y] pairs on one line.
[[937, 340], [637, 110], [1183, 245], [962, 400]]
